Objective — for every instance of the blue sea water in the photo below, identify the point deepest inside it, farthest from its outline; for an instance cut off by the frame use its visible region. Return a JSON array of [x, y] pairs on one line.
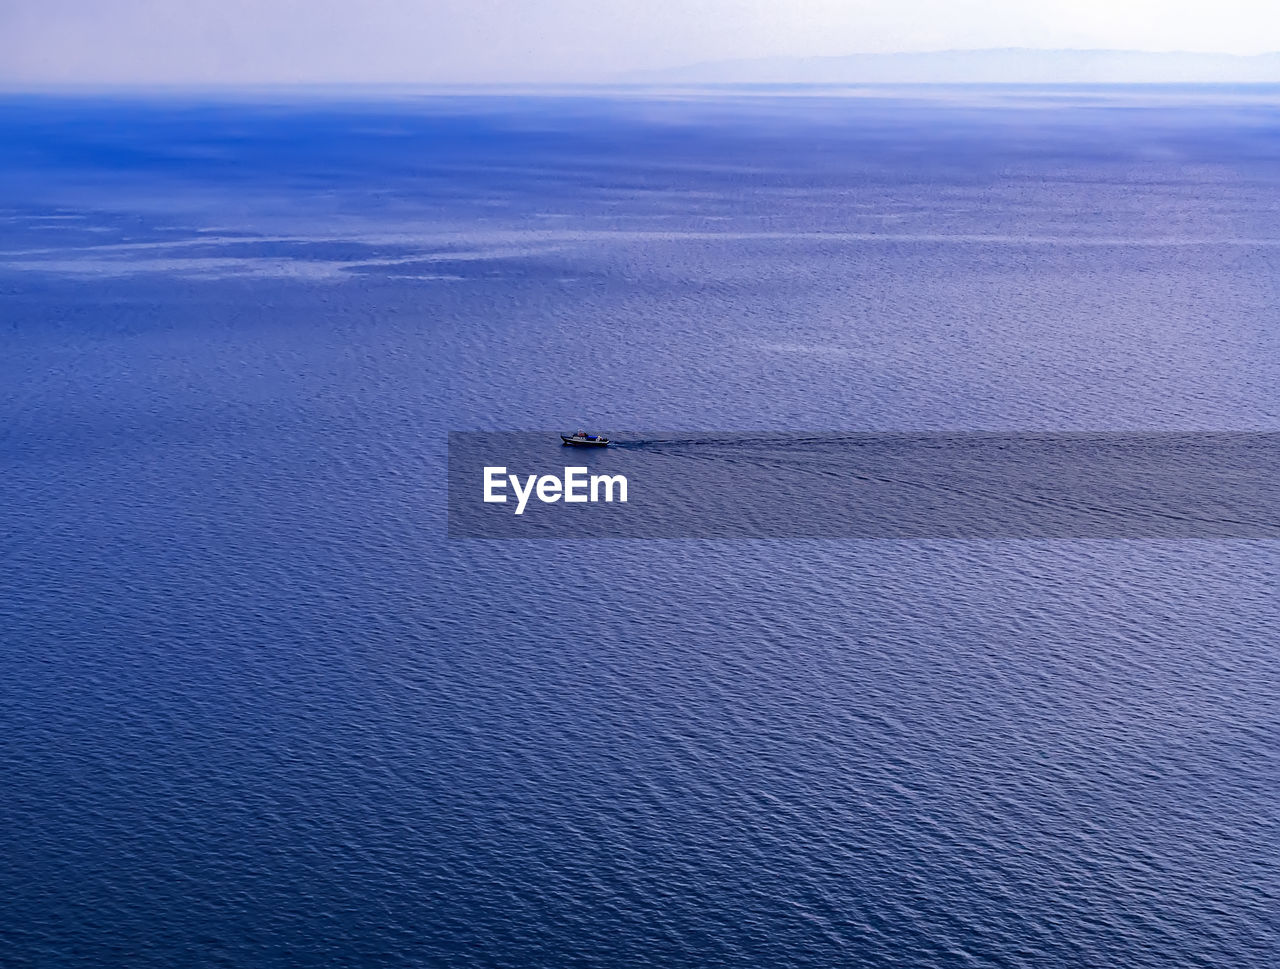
[[259, 710]]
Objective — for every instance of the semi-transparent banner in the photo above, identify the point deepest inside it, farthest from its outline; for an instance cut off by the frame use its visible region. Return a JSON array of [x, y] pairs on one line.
[[866, 485]]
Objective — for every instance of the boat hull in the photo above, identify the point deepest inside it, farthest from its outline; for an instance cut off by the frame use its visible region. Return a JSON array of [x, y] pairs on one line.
[[580, 442]]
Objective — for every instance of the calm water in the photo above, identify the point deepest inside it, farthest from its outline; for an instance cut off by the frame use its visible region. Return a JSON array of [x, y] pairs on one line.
[[258, 710]]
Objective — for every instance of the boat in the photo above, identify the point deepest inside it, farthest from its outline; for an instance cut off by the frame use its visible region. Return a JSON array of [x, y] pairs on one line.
[[583, 439]]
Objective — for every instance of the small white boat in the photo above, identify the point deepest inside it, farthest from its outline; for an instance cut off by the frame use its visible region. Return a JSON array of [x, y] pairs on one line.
[[583, 439]]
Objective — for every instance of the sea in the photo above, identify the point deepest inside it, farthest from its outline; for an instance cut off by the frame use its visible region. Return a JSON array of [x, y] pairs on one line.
[[261, 707]]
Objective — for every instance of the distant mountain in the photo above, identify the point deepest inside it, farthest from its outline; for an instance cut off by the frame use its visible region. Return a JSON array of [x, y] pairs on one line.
[[1004, 66]]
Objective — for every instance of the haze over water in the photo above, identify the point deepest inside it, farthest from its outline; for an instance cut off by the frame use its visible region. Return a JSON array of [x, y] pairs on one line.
[[260, 711]]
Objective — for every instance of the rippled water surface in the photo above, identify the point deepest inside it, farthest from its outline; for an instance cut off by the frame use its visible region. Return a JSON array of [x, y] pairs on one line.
[[258, 710]]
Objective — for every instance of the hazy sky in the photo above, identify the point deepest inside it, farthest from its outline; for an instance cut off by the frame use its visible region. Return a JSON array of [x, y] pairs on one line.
[[248, 41]]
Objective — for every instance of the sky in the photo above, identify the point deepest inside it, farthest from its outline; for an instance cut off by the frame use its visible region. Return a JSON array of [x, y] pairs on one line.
[[149, 42]]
